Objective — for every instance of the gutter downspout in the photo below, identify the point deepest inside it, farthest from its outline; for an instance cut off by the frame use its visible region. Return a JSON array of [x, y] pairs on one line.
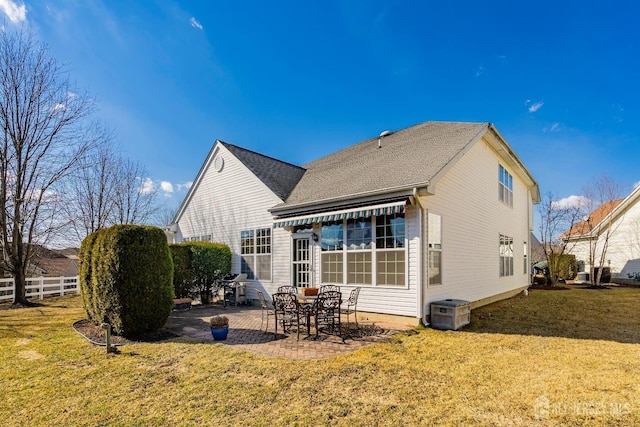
[[421, 276]]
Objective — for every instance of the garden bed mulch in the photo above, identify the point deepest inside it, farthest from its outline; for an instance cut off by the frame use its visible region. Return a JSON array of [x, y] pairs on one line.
[[549, 287], [96, 335]]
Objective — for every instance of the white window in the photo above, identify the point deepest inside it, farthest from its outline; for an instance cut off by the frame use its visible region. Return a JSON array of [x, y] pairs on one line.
[[255, 251], [505, 186], [434, 238], [359, 244], [390, 250], [506, 256], [331, 242], [364, 251]]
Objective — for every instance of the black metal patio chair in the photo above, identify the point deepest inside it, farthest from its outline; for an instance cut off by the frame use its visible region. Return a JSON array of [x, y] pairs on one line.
[[327, 311], [287, 312]]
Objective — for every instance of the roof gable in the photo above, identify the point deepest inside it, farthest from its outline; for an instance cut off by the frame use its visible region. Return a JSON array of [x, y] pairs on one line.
[[279, 176], [592, 221], [408, 157]]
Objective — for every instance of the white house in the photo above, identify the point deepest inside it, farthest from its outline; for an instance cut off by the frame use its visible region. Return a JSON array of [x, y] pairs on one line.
[[433, 211], [615, 224]]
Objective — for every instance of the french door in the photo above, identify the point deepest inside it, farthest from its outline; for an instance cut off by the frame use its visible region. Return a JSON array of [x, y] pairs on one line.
[[301, 271]]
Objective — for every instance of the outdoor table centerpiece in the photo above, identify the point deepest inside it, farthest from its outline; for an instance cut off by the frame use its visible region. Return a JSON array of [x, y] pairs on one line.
[[219, 327]]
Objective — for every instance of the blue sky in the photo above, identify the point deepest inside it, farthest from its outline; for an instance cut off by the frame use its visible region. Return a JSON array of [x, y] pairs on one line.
[[297, 80]]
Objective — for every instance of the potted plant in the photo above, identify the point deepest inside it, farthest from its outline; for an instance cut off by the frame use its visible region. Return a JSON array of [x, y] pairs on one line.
[[219, 327]]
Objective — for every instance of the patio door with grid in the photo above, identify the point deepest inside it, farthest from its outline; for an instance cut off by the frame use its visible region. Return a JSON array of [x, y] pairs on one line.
[[301, 271]]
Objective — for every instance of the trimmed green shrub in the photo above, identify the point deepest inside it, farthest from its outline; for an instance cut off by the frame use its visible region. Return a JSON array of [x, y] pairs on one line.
[[182, 280], [131, 278], [209, 262], [198, 265], [84, 273]]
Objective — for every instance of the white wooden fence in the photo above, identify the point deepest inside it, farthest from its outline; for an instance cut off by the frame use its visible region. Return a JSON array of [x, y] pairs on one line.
[[41, 287]]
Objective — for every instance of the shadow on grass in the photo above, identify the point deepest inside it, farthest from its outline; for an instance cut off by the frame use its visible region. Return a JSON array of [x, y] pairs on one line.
[[579, 313]]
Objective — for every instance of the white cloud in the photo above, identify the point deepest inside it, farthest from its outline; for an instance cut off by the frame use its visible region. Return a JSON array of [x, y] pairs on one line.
[[16, 13], [186, 185], [535, 107], [192, 21], [555, 127], [147, 186], [59, 107], [166, 186], [572, 201], [480, 71]]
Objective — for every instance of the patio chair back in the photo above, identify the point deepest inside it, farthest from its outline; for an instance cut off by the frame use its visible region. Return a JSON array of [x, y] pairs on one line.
[[288, 289], [352, 304], [327, 288]]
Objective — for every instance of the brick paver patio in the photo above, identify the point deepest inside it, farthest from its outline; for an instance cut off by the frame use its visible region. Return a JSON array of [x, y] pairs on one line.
[[245, 333]]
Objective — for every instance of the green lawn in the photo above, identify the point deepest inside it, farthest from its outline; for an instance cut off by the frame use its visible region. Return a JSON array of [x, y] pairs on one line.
[[552, 358]]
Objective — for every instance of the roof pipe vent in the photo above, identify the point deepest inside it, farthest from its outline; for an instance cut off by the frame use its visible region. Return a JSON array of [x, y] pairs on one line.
[[382, 135]]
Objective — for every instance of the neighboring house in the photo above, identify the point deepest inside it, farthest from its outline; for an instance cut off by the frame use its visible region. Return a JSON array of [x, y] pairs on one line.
[[52, 262], [620, 219], [433, 211]]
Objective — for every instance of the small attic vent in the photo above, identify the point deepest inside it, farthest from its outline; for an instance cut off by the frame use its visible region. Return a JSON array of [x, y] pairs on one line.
[[382, 135]]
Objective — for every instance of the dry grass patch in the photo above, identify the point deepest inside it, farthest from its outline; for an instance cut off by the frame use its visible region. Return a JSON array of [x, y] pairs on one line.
[[498, 371]]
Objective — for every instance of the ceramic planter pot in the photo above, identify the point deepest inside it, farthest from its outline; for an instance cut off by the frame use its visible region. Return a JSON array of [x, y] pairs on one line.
[[219, 333]]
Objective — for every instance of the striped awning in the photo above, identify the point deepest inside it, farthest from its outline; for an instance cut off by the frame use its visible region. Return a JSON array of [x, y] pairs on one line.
[[362, 212]]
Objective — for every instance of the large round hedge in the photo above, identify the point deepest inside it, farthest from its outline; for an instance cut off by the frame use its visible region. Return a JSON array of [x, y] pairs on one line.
[[129, 282]]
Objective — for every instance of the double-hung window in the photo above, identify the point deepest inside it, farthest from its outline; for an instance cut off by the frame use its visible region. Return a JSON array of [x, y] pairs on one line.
[[364, 251], [331, 243], [506, 256], [505, 186], [390, 250], [359, 244], [255, 251]]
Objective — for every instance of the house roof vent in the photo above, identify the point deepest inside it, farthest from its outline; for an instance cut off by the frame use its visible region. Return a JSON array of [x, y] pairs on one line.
[[382, 135]]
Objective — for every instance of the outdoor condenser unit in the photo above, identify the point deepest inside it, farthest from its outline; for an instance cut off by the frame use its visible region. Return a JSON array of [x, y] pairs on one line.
[[450, 314]]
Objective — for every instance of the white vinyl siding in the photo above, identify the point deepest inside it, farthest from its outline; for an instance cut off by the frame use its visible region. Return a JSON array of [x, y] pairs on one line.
[[475, 218], [225, 203]]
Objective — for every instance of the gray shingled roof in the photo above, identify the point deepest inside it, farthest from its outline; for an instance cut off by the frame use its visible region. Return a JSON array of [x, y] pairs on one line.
[[407, 157], [279, 176]]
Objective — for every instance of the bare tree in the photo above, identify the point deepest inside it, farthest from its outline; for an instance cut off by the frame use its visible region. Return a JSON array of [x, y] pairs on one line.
[[43, 138], [164, 216], [108, 189], [91, 192], [602, 195], [135, 195], [556, 217]]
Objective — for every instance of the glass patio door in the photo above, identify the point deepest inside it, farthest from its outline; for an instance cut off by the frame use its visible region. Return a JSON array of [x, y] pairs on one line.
[[301, 262]]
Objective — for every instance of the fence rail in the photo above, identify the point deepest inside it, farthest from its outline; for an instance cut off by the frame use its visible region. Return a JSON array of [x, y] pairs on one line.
[[41, 287]]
